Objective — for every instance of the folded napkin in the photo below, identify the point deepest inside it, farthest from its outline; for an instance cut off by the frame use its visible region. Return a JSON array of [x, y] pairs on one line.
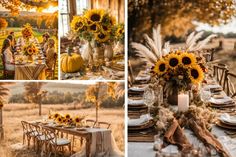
[[227, 118], [142, 78], [137, 89], [135, 102], [225, 100], [172, 149], [140, 121]]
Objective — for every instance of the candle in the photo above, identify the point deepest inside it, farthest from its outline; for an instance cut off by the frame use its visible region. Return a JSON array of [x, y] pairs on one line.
[[183, 102]]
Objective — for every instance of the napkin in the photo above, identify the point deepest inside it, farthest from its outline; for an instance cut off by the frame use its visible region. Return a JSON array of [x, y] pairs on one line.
[[225, 100], [142, 78], [227, 118], [139, 121], [137, 89], [135, 102]]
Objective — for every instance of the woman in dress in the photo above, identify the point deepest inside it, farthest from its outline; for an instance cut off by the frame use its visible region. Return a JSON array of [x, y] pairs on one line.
[[11, 38], [7, 54], [50, 53], [44, 43]]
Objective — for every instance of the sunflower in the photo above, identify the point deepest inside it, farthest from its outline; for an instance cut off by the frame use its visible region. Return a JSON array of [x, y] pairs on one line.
[[101, 37], [160, 67], [120, 31], [105, 28], [94, 15], [59, 119], [93, 27], [30, 51], [67, 116], [188, 59], [196, 74], [108, 20], [77, 23], [173, 60], [77, 119], [56, 115]]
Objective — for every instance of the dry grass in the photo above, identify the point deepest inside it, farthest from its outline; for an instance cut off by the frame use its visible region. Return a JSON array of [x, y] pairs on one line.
[[14, 113]]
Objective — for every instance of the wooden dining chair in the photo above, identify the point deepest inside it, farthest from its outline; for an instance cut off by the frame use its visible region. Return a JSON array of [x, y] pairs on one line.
[[219, 72], [6, 73], [91, 123], [26, 132], [104, 125], [34, 133], [131, 74], [230, 84], [56, 144]]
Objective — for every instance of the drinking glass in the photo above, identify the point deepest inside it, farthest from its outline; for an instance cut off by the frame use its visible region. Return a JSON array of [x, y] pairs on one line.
[[149, 97], [157, 143], [205, 94]]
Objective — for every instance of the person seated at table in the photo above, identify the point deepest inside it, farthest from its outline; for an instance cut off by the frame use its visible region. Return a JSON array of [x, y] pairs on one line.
[[8, 56], [11, 38], [50, 53], [44, 43]]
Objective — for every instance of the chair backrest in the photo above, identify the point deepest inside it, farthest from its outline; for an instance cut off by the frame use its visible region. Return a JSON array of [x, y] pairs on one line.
[[219, 73], [35, 129], [25, 126], [55, 61], [3, 63], [131, 74], [50, 134], [105, 124], [91, 122], [230, 84]]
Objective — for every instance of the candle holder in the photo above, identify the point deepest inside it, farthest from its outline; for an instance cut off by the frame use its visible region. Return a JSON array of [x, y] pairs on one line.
[[183, 101]]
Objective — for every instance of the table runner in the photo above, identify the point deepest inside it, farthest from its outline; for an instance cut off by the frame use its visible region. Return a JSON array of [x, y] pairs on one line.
[[30, 72]]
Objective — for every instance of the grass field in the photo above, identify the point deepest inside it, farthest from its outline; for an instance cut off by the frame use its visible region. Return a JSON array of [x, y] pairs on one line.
[[17, 32], [14, 113]]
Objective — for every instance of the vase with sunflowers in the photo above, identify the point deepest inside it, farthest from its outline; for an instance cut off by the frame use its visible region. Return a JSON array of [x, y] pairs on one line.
[[178, 71], [30, 50], [98, 28]]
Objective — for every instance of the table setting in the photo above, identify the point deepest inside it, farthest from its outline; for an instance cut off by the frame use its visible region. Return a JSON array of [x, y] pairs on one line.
[[187, 111]]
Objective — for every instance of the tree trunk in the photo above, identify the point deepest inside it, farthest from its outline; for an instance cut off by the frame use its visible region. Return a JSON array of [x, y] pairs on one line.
[[96, 113], [1, 126], [40, 108]]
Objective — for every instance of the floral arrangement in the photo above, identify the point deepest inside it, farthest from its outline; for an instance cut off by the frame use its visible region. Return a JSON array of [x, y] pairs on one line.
[[30, 49], [120, 32], [185, 68], [27, 31], [67, 119], [95, 24]]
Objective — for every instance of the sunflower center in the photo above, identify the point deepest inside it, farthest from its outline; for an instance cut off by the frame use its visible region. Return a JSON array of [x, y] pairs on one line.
[[93, 27], [105, 28], [79, 24], [173, 62], [194, 73], [120, 31], [95, 17], [186, 60], [162, 67], [101, 36]]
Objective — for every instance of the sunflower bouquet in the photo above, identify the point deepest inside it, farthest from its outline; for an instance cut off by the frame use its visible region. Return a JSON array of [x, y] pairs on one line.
[[67, 119], [30, 50], [95, 25], [181, 68], [27, 31], [119, 32]]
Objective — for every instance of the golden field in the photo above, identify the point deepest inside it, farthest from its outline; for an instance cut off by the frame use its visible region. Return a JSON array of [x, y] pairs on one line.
[[14, 113]]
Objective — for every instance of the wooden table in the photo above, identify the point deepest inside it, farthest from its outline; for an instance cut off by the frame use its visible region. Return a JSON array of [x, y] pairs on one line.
[[85, 133]]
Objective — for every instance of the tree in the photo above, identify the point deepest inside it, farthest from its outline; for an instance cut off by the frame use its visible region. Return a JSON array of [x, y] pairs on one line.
[[101, 91], [34, 93], [3, 23], [4, 93], [176, 17], [15, 5]]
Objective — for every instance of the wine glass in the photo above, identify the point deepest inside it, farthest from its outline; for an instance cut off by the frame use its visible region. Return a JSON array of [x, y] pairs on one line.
[[205, 94], [149, 97]]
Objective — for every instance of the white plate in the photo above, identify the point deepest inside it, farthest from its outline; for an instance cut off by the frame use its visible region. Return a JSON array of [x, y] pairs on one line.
[[135, 102], [225, 100], [137, 89], [139, 121], [225, 117]]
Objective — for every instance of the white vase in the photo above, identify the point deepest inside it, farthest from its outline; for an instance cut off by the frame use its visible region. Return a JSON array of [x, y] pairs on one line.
[[108, 52], [87, 53]]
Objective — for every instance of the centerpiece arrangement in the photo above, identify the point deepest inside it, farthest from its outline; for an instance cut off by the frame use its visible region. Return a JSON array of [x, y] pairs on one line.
[[67, 119], [30, 50], [98, 28], [27, 32]]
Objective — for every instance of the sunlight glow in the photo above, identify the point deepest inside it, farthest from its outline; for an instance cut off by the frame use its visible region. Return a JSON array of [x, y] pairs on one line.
[[50, 9]]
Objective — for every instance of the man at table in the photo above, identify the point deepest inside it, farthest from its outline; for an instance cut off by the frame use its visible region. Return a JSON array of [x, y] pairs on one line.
[[44, 43], [7, 54], [50, 53]]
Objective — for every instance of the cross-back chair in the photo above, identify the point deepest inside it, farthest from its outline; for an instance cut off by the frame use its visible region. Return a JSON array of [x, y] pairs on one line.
[[219, 72], [6, 72], [91, 123], [51, 72], [104, 125], [230, 84]]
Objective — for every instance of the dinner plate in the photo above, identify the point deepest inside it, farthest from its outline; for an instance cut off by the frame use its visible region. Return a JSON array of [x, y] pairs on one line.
[[81, 129], [225, 126], [228, 119]]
